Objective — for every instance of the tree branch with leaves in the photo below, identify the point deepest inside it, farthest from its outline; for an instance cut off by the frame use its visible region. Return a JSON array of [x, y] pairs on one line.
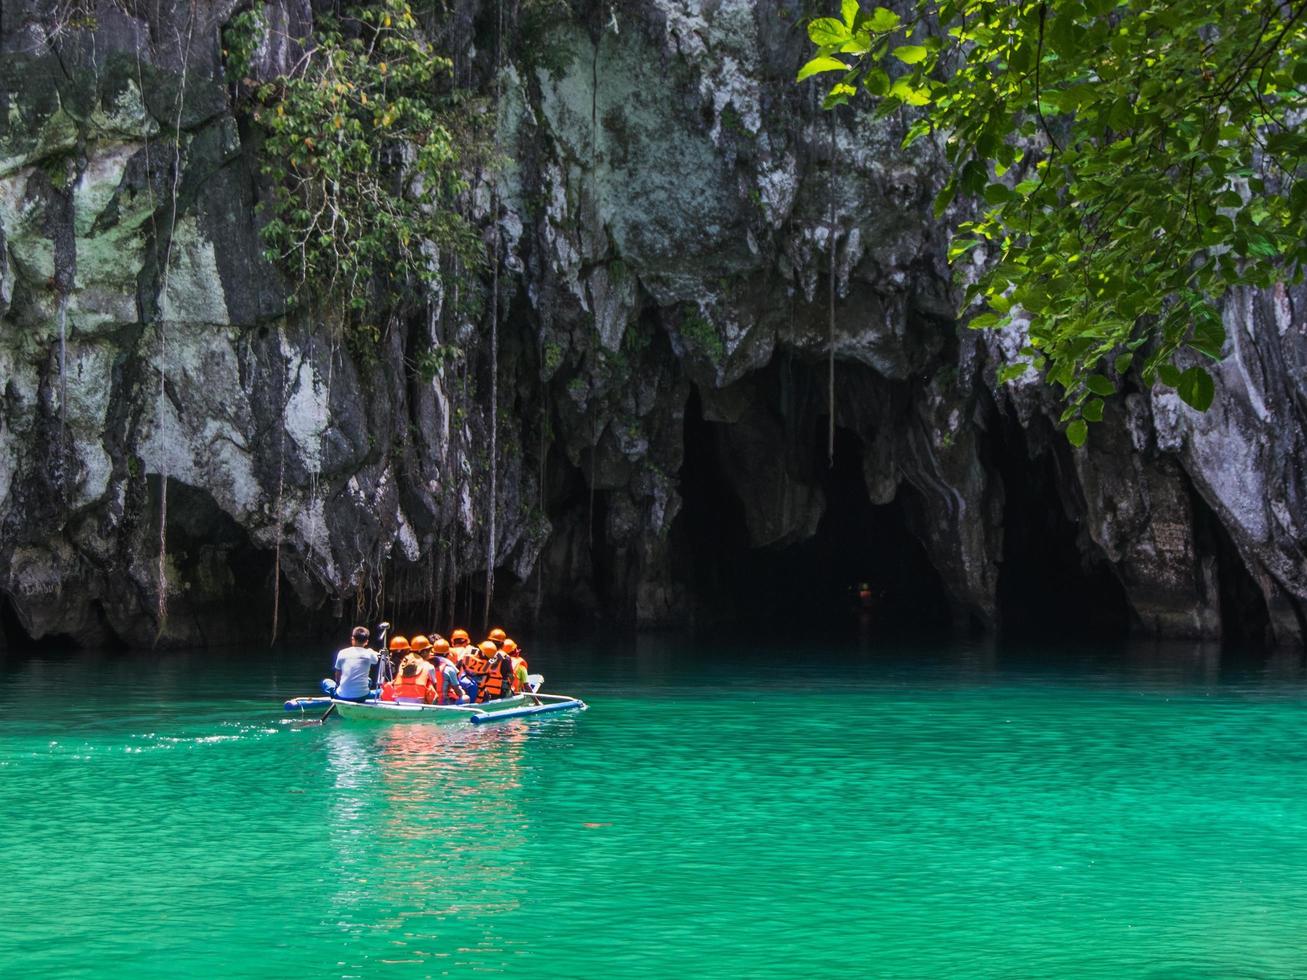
[[1131, 163]]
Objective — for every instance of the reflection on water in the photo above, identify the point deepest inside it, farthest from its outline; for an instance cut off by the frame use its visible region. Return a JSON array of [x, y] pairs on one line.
[[732, 811]]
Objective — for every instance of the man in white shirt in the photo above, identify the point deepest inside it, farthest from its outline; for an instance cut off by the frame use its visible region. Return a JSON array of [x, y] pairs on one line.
[[353, 664]]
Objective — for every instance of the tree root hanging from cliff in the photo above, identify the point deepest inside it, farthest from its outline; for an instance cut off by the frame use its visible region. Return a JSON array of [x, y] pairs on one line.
[[830, 373], [281, 489], [494, 331], [162, 612]]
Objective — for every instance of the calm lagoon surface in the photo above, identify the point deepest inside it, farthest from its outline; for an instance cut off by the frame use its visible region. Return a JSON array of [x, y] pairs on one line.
[[876, 811]]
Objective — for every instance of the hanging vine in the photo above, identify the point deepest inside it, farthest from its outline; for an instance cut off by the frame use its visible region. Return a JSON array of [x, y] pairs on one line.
[[492, 528]]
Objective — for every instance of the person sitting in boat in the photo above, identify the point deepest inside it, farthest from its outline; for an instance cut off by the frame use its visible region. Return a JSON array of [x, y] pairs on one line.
[[518, 663], [398, 649], [419, 645], [497, 637], [460, 644], [476, 666], [353, 665], [413, 683], [445, 674], [491, 685]]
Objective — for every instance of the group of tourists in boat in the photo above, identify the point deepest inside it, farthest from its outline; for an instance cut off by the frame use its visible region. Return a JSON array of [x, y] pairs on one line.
[[429, 669]]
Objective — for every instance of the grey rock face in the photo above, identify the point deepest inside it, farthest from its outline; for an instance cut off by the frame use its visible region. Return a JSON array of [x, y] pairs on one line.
[[672, 210]]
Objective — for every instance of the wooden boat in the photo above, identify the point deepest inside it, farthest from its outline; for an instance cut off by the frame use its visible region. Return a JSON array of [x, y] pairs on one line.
[[502, 709]]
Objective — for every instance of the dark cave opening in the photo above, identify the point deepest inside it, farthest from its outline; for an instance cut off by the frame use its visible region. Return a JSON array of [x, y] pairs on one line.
[[861, 571], [1245, 617], [1047, 586]]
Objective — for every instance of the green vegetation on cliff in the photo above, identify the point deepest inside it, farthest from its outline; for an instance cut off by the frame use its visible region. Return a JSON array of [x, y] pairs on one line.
[[1135, 161], [363, 158]]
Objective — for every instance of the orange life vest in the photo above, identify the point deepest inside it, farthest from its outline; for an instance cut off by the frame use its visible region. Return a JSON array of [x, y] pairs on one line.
[[493, 685], [476, 665], [415, 688]]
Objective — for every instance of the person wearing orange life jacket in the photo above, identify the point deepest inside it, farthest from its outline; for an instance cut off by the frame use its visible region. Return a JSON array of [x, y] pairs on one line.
[[460, 644], [499, 673], [445, 674], [518, 664], [489, 683], [413, 684], [398, 648], [420, 645], [497, 636]]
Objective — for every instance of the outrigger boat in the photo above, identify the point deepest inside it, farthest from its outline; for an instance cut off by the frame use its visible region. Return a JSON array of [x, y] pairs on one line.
[[523, 705], [502, 709]]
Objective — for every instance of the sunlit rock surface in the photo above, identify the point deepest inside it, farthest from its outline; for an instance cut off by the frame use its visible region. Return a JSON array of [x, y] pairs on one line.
[[667, 221]]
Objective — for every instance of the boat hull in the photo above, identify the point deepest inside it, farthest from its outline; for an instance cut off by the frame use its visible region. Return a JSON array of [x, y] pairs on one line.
[[438, 714]]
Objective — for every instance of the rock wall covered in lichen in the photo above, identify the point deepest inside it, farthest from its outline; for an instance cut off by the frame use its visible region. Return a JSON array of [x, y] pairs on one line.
[[666, 248]]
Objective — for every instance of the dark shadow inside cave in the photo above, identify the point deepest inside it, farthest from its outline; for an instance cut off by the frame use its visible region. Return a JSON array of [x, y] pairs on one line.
[[1245, 618], [811, 587], [1047, 586]]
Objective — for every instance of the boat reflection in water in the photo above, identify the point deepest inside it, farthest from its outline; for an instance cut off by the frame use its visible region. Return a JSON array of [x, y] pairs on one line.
[[431, 817]]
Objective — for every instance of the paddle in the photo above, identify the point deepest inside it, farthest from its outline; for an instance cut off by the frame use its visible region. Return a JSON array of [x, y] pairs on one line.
[[533, 682]]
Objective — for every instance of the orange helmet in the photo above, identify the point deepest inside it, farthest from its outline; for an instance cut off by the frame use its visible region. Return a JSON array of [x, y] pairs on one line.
[[398, 643], [498, 635], [488, 648], [459, 637], [441, 647], [419, 643], [509, 647]]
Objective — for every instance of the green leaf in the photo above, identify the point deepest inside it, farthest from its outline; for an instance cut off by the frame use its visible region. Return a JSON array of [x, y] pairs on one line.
[[1196, 388], [1169, 374], [1077, 432], [910, 54], [838, 95], [820, 64], [984, 321], [998, 194], [903, 89], [1094, 410], [881, 20], [827, 30], [1122, 363], [1099, 385], [876, 82], [944, 198], [1010, 372], [849, 11]]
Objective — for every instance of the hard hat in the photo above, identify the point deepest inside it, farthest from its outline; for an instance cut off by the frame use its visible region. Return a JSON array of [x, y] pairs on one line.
[[498, 635], [489, 648], [419, 642], [441, 647], [509, 646], [398, 643], [459, 636]]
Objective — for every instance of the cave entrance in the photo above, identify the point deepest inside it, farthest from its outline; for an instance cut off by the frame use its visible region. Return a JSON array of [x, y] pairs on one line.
[[1049, 586], [810, 587]]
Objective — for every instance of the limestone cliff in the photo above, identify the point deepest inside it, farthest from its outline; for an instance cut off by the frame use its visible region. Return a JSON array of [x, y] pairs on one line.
[[667, 250]]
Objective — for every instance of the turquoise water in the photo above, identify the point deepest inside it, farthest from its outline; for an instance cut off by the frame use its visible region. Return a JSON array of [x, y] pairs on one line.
[[959, 813]]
